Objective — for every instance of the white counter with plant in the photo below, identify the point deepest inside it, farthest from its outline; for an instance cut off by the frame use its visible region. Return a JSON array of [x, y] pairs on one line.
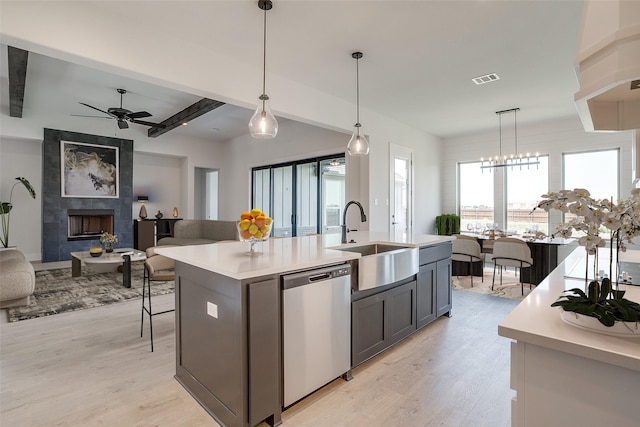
[[563, 374]]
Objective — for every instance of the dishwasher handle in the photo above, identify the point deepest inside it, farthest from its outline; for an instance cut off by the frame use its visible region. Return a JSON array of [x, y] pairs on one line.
[[314, 276], [323, 276]]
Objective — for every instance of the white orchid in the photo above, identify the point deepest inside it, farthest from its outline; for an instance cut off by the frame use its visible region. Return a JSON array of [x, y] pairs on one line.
[[592, 217]]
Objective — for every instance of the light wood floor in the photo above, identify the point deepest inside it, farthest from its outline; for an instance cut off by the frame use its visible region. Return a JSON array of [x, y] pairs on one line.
[[91, 368]]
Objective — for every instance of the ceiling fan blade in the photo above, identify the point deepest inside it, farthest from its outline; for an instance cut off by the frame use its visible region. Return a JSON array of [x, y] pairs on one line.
[[122, 124], [155, 125], [95, 108], [95, 117], [139, 115]]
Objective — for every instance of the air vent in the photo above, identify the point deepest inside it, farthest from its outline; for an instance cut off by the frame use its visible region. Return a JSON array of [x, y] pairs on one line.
[[486, 79], [635, 84]]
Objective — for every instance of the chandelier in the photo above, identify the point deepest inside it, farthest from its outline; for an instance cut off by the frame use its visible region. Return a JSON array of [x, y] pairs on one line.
[[513, 160]]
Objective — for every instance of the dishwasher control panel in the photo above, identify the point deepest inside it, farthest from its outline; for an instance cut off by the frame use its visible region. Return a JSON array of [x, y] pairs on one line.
[[311, 276]]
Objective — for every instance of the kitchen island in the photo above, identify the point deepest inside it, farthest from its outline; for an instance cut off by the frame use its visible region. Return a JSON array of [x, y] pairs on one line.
[[564, 375], [229, 312]]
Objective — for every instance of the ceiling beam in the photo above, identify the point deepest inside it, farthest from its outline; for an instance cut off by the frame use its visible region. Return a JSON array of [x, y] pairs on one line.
[[191, 112], [17, 61]]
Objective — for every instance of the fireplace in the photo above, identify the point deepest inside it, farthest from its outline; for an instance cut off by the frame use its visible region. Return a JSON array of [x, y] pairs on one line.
[[86, 224]]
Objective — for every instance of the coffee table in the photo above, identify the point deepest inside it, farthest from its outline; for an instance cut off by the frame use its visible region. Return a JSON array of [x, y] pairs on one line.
[[107, 262]]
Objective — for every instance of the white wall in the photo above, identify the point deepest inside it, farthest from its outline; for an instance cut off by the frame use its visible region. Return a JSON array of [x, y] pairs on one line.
[[22, 158], [552, 138], [160, 178]]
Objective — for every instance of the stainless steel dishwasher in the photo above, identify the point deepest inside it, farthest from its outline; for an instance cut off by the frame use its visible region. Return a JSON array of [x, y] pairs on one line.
[[316, 329]]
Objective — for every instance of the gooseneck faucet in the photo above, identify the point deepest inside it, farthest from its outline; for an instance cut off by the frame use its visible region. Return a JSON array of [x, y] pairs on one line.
[[363, 218]]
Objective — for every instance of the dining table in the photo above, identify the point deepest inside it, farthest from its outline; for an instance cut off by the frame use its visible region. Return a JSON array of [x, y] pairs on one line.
[[544, 252]]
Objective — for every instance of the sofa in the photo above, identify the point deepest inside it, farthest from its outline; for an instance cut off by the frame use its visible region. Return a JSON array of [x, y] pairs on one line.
[[17, 279], [200, 232]]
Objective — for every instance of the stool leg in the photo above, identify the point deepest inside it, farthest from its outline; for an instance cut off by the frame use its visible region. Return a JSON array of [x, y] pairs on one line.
[[150, 315], [144, 283], [493, 282]]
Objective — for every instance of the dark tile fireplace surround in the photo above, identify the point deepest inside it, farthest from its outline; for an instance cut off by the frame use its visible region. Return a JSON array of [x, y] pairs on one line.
[[85, 218]]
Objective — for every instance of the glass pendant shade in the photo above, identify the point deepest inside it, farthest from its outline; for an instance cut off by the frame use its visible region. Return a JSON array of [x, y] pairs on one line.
[[263, 124], [358, 144]]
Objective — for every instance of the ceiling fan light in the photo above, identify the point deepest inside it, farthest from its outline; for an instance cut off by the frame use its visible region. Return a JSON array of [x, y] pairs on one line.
[[263, 124]]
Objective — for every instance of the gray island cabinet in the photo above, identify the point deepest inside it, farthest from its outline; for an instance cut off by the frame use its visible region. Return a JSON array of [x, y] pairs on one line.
[[381, 317], [229, 316], [228, 344]]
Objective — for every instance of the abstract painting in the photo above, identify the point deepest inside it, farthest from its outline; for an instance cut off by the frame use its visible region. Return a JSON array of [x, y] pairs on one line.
[[89, 170]]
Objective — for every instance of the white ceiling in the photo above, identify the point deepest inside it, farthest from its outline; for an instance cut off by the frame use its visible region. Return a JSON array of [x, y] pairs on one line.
[[419, 59]]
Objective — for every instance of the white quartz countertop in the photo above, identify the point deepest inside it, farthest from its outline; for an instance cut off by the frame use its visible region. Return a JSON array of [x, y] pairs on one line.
[[281, 255], [535, 321]]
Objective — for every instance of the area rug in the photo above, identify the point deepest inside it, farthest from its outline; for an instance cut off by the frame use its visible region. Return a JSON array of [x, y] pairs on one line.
[[57, 292], [510, 284]]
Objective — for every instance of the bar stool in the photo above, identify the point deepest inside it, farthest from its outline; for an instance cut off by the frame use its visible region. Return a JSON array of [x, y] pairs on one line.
[[157, 268]]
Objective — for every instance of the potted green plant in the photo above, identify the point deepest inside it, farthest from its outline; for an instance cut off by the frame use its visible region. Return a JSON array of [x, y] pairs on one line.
[[6, 207], [448, 224]]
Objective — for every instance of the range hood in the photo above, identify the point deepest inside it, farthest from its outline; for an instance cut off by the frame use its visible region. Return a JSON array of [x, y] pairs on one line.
[[608, 65]]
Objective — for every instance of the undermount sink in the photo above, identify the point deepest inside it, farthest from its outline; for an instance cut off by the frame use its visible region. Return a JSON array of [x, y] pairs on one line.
[[382, 264]]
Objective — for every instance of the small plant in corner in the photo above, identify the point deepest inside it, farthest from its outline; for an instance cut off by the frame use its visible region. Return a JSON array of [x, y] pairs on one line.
[[602, 302], [5, 209]]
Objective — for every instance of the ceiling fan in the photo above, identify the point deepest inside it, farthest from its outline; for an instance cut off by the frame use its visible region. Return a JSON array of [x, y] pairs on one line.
[[122, 115]]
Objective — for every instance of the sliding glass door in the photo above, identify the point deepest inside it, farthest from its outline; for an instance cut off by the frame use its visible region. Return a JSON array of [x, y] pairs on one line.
[[303, 197]]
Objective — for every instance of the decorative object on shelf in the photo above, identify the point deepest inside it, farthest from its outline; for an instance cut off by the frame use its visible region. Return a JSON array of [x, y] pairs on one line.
[[143, 209], [514, 160], [108, 240], [5, 209], [159, 214], [601, 300], [263, 124], [95, 251], [358, 144], [254, 226], [175, 212]]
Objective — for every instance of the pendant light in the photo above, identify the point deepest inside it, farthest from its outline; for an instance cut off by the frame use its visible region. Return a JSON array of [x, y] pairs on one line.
[[517, 159], [358, 144], [263, 124]]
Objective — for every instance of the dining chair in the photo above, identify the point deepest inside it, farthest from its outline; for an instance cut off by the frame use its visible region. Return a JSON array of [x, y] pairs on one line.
[[467, 249], [511, 252], [157, 268]]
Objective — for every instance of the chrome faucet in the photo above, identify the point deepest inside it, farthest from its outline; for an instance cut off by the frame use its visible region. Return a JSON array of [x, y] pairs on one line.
[[363, 218]]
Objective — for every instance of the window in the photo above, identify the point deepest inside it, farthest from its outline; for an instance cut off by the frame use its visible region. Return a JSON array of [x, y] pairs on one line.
[[595, 171], [525, 185], [302, 197], [476, 196]]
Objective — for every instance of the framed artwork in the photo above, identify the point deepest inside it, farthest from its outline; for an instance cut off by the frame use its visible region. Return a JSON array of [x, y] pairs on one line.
[[89, 170]]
